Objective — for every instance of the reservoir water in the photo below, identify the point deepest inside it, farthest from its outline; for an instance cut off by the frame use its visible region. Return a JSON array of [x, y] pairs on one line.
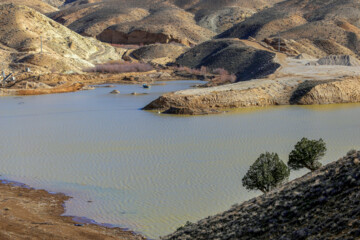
[[151, 172]]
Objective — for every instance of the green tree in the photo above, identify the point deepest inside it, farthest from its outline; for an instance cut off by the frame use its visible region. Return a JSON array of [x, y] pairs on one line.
[[307, 153], [267, 173]]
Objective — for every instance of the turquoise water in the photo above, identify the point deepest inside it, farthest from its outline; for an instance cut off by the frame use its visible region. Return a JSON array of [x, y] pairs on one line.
[[151, 172]]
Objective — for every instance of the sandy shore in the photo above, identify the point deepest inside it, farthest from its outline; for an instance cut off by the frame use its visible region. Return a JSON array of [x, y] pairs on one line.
[[28, 213]]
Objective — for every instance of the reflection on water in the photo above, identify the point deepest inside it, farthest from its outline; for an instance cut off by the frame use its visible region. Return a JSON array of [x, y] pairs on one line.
[[150, 172]]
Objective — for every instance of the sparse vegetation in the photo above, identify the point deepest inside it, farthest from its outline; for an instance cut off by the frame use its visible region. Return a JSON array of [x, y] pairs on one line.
[[307, 154], [120, 67], [267, 173], [225, 76]]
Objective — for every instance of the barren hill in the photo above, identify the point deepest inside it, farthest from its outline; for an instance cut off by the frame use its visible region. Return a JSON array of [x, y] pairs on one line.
[[315, 27], [219, 16], [38, 5], [138, 21], [324, 204], [21, 30], [234, 56]]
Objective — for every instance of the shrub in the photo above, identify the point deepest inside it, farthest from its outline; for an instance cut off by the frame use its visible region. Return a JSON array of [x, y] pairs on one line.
[[307, 153], [225, 76], [189, 70], [220, 71], [117, 67], [267, 173]]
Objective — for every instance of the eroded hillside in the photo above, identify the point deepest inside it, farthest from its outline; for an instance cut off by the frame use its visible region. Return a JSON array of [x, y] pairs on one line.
[[314, 27], [24, 33]]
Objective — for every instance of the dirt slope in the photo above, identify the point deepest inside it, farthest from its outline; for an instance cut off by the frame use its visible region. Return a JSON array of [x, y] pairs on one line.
[[321, 205], [21, 29]]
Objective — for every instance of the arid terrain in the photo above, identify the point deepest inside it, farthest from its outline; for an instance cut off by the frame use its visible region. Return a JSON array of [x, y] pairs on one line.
[[297, 81], [249, 54], [314, 27]]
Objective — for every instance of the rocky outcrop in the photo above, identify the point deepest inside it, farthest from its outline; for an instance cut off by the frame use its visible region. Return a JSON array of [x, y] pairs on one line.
[[263, 92], [324, 204], [234, 56], [346, 91]]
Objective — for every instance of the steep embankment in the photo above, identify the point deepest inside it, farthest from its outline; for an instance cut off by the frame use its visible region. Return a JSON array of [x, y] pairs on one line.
[[21, 31], [324, 204]]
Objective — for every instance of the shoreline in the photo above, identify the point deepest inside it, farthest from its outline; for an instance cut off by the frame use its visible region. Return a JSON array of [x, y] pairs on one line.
[[37, 213]]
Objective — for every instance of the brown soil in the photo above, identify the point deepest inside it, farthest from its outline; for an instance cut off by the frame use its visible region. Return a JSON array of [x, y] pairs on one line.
[[35, 214]]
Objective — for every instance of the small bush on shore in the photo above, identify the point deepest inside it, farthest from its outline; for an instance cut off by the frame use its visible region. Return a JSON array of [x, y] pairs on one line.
[[117, 67], [268, 172], [307, 154]]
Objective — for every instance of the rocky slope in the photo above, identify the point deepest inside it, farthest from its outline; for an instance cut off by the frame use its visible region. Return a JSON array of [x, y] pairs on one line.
[[219, 16], [315, 27], [244, 61], [38, 5], [324, 204], [21, 30], [145, 21], [132, 22]]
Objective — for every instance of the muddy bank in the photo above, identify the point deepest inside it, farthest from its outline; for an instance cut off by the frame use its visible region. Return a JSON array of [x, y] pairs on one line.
[[27, 213]]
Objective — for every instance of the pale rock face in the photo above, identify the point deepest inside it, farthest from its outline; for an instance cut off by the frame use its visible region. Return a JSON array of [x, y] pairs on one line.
[[24, 31]]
